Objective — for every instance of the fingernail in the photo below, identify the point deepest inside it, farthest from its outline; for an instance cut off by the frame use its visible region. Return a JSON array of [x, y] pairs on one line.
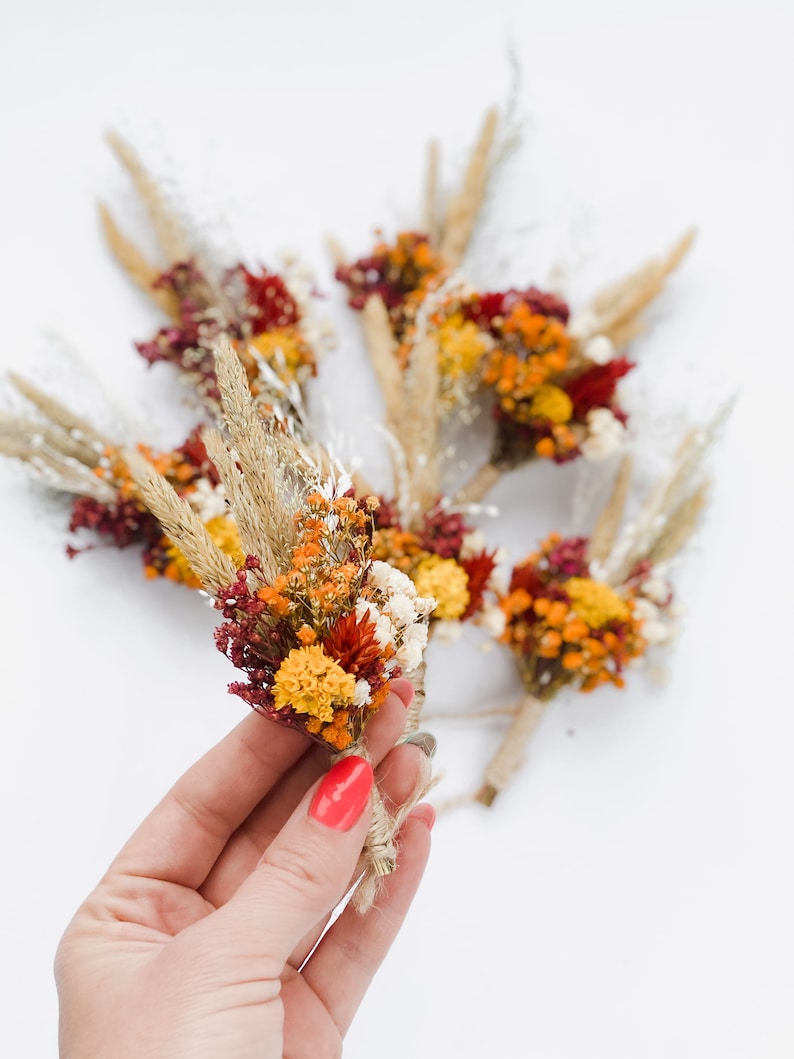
[[426, 742], [341, 797], [404, 690], [426, 813]]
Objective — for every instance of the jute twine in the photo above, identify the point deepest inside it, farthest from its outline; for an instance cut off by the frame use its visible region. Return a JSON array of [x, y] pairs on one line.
[[379, 855], [417, 678], [508, 757]]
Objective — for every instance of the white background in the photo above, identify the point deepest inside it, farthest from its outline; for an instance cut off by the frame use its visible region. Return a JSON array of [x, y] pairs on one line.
[[630, 896]]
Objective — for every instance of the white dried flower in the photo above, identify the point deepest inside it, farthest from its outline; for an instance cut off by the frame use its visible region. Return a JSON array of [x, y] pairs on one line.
[[409, 654], [583, 325], [656, 632], [645, 610], [384, 629], [605, 434], [401, 610], [207, 500], [657, 589], [389, 580], [494, 620], [599, 349], [473, 543], [362, 694]]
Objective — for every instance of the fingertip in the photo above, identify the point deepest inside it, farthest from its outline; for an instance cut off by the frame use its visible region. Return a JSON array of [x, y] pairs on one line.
[[425, 814], [404, 690]]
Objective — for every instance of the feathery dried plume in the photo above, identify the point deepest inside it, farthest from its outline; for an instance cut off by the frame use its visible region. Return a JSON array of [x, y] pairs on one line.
[[212, 566], [464, 207], [606, 529], [274, 469], [420, 430], [381, 348], [61, 472], [680, 526], [430, 218], [669, 508], [168, 230], [58, 414], [618, 308], [61, 448], [142, 273], [251, 521]]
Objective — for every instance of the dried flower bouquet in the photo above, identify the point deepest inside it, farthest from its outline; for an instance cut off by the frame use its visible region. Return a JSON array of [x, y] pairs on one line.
[[266, 315], [317, 625], [580, 611], [549, 377]]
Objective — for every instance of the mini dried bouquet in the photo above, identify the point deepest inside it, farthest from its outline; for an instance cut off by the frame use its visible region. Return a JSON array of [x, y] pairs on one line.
[[580, 611], [266, 315], [317, 625], [72, 457], [550, 378]]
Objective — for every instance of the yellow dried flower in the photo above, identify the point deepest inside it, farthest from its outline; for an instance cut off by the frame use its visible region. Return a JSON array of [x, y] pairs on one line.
[[552, 403], [461, 346], [309, 681], [595, 602], [223, 531], [447, 582], [283, 350]]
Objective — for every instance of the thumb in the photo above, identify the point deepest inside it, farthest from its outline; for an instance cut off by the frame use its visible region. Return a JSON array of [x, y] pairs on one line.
[[305, 870]]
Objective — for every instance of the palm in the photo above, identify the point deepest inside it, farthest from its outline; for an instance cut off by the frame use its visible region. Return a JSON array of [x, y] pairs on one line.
[[154, 936]]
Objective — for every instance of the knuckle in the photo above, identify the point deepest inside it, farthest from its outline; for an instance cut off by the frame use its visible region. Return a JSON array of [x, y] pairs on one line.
[[299, 869]]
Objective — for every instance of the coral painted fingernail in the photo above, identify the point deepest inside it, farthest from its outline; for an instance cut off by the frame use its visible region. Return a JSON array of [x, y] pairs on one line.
[[341, 797]]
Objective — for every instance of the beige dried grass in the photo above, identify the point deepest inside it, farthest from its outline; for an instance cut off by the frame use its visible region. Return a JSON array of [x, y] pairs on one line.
[[431, 222], [167, 229], [607, 526], [420, 427], [382, 350], [213, 567], [619, 307], [464, 207], [142, 273]]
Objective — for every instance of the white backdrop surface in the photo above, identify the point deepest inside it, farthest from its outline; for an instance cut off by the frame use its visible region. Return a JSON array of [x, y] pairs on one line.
[[630, 897]]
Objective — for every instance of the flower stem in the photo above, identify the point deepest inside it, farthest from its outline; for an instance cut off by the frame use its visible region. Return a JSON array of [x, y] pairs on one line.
[[508, 757]]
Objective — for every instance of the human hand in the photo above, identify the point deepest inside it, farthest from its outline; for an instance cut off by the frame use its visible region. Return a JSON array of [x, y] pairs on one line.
[[194, 943]]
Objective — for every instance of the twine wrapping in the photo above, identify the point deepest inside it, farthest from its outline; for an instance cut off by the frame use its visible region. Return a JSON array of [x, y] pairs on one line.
[[508, 757], [417, 678], [379, 855]]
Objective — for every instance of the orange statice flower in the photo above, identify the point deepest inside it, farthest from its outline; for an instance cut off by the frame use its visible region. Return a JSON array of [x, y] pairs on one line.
[[565, 627]]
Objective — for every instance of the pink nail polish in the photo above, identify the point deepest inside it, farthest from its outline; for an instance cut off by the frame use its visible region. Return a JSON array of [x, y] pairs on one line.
[[341, 797]]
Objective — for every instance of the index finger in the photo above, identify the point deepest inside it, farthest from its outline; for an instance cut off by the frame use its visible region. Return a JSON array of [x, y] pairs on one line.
[[185, 834]]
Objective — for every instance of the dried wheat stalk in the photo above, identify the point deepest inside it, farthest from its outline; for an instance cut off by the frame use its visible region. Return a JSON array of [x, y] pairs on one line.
[[464, 207], [606, 529], [142, 273], [618, 308], [212, 566], [167, 229]]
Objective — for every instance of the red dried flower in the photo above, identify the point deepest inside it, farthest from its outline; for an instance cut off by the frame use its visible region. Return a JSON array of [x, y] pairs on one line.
[[595, 388], [352, 643], [125, 522], [270, 303], [479, 569], [483, 309]]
